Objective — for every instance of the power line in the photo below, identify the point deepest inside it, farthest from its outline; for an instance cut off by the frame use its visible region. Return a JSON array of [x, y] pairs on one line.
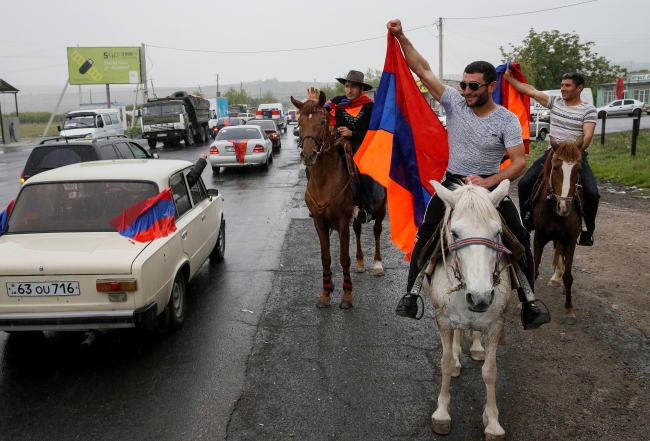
[[521, 13]]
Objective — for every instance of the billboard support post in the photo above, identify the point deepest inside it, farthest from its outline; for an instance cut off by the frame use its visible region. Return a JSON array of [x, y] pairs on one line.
[[143, 72], [58, 103], [108, 96]]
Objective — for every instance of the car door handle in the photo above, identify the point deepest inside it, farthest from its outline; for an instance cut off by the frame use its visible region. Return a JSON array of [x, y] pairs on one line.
[[203, 217], [184, 235]]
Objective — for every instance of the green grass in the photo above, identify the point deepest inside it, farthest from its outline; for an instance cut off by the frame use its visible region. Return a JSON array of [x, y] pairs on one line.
[[36, 130], [613, 161]]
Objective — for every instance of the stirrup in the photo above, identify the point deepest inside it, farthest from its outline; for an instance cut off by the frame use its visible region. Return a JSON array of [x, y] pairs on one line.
[[417, 287], [534, 325]]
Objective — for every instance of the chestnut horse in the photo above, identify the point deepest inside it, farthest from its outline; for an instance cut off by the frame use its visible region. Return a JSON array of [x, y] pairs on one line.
[[329, 195], [557, 214]]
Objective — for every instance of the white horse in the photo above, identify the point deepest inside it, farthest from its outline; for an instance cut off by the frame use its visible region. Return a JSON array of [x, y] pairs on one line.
[[470, 290]]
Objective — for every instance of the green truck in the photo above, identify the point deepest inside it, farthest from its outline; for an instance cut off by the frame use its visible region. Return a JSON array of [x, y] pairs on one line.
[[178, 117]]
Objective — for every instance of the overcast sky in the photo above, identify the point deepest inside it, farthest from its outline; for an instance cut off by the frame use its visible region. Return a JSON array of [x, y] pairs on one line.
[[34, 34]]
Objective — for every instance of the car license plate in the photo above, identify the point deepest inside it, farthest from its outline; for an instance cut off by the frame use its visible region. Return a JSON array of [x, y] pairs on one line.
[[24, 289], [230, 149]]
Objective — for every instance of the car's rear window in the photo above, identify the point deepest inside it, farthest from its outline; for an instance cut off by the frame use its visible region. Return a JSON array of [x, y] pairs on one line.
[[75, 206], [239, 133], [268, 125], [49, 157]]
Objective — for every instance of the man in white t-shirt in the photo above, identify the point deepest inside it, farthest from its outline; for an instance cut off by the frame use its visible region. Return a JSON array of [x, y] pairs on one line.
[[570, 119]]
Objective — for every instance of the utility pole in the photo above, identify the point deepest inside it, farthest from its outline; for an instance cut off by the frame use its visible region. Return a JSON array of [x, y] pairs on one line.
[[108, 96], [439, 25], [218, 93]]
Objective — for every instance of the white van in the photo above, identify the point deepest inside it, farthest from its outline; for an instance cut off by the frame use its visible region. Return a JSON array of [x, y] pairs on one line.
[[97, 123], [273, 111]]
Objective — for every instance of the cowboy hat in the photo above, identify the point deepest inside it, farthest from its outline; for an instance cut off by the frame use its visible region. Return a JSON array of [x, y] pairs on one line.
[[356, 77]]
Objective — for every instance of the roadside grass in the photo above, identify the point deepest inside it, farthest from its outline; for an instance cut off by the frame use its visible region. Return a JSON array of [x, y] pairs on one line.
[[36, 130], [612, 161]]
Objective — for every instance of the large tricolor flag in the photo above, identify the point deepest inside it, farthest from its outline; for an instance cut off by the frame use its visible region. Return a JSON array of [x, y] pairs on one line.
[[516, 102], [149, 219], [405, 147]]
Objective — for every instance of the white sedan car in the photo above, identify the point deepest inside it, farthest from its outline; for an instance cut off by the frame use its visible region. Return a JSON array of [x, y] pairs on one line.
[[241, 146], [622, 107], [64, 266]]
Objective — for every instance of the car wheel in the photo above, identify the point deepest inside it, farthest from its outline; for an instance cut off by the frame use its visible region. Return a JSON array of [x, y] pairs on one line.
[[177, 302], [220, 247], [271, 156], [201, 136], [152, 143], [541, 135], [189, 137], [266, 164], [216, 169]]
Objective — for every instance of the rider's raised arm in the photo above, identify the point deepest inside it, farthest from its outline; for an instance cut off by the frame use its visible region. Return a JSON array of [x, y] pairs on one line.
[[526, 89], [416, 62]]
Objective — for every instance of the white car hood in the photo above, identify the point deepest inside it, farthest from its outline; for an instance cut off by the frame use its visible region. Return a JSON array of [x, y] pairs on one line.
[[67, 253], [78, 132]]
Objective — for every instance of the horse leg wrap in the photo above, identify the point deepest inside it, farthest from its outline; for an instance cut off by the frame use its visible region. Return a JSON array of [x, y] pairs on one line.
[[347, 282], [327, 282]]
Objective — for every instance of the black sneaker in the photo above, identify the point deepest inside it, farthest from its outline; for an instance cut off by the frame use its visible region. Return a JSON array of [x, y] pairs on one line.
[[408, 306], [532, 317], [586, 239]]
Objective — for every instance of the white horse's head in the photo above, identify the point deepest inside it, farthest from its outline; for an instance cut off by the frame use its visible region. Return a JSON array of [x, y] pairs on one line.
[[474, 215]]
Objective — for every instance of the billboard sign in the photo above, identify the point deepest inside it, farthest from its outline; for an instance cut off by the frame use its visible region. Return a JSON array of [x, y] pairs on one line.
[[104, 65]]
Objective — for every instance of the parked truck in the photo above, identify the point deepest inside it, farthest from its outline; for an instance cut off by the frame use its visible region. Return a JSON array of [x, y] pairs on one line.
[[180, 116]]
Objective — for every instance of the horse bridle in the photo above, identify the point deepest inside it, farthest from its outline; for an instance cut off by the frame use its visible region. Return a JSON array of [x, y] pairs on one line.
[[320, 143], [552, 194], [495, 245]]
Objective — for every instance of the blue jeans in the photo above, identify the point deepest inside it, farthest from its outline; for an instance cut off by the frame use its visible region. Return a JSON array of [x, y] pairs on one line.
[[589, 189]]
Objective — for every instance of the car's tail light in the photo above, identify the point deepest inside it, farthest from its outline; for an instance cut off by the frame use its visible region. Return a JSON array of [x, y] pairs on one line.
[[259, 113], [258, 149], [116, 285], [214, 150], [215, 129], [22, 177], [275, 135], [275, 112]]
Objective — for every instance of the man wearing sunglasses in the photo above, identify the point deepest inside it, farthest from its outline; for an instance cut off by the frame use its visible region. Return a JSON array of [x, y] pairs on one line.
[[479, 133], [570, 119]]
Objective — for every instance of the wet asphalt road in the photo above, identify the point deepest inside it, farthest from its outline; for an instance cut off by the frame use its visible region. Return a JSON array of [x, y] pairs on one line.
[[255, 359]]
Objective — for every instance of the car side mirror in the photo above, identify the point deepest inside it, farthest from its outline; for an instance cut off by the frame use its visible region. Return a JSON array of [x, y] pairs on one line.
[[213, 192], [155, 156]]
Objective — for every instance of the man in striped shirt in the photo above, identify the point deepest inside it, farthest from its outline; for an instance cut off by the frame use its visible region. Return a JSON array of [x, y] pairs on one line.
[[570, 119]]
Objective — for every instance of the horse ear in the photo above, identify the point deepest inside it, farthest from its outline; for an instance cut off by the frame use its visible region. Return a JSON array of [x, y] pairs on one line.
[[322, 99], [297, 103], [497, 195], [580, 141], [554, 143], [444, 193]]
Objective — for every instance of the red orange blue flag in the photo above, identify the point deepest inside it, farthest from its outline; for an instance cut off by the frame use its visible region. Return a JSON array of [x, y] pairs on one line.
[[149, 219], [518, 103], [4, 216], [405, 147]]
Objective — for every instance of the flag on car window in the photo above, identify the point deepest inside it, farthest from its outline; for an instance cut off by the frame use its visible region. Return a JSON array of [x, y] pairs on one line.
[[518, 103], [149, 219], [405, 147], [4, 216]]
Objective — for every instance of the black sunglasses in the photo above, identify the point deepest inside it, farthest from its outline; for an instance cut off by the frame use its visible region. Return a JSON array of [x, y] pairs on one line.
[[473, 85]]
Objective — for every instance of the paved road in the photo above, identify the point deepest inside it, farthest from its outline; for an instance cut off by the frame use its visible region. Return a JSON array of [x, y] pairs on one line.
[[140, 385]]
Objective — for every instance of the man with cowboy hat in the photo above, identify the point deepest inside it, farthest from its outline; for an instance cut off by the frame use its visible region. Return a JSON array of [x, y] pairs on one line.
[[351, 118]]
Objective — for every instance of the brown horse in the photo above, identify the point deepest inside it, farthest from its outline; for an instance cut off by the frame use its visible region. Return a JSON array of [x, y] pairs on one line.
[[557, 213], [329, 195]]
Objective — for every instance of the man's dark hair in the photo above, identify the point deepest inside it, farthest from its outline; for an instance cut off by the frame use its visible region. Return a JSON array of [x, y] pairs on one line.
[[577, 78], [488, 70]]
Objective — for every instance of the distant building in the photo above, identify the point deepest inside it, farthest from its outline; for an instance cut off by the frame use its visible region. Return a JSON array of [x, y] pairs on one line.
[[637, 86]]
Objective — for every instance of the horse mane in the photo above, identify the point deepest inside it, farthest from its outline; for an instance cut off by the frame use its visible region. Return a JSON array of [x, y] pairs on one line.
[[475, 201]]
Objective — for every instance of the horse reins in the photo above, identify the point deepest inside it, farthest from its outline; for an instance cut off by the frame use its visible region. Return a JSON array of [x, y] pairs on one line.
[[321, 208]]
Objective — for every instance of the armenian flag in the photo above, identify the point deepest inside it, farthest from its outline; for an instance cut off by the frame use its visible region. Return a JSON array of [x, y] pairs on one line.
[[518, 103], [240, 146], [149, 219], [405, 147], [4, 216]]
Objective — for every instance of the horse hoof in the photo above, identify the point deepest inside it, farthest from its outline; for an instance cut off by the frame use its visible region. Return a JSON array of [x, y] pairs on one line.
[[569, 321], [441, 427], [359, 268], [477, 355], [490, 437], [554, 283], [346, 304], [455, 373], [323, 303]]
